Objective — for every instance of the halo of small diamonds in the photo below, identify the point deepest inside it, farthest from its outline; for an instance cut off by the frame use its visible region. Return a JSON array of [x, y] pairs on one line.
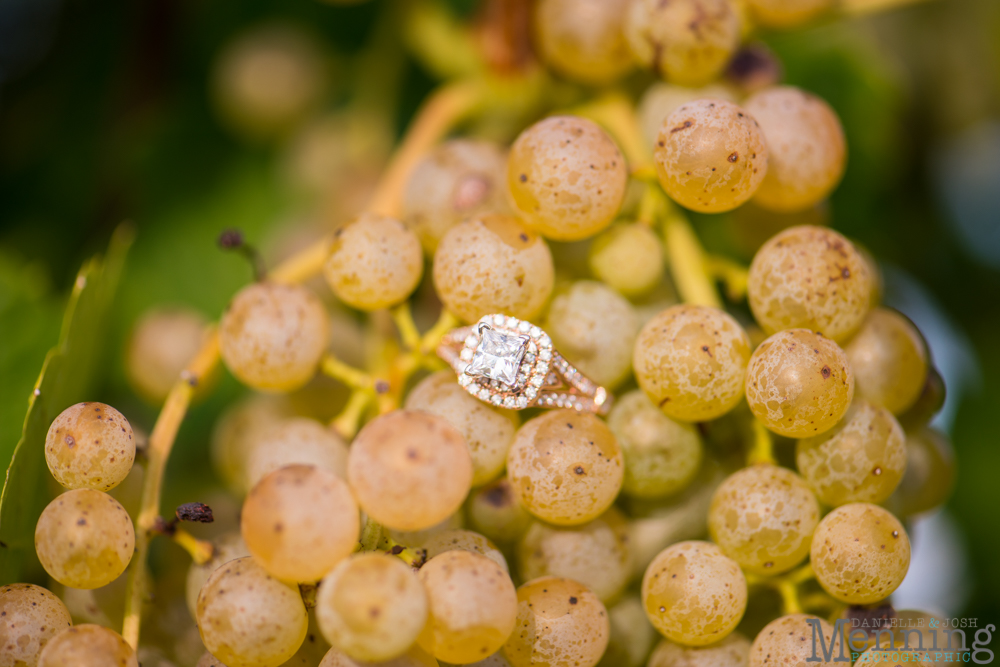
[[534, 365]]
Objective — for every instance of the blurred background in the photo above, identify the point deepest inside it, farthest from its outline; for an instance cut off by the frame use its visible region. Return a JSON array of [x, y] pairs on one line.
[[189, 117]]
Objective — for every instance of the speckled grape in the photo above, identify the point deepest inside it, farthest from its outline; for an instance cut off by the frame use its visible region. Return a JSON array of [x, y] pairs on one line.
[[566, 177], [788, 642], [806, 151], [693, 593], [87, 646], [690, 361], [405, 455], [763, 517], [809, 278], [488, 431], [861, 459], [799, 383], [374, 262], [90, 446], [228, 547], [495, 511], [661, 99], [29, 617], [272, 336], [889, 358], [565, 467], [493, 264], [860, 553]]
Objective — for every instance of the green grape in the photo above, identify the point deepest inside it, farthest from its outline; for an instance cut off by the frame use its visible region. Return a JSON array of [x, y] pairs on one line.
[[84, 539], [628, 258], [594, 328], [236, 432], [300, 521], [472, 604], [661, 99], [788, 640], [565, 467], [228, 547], [296, 441], [860, 553], [806, 151], [560, 623], [661, 455], [595, 554], [465, 540], [889, 358], [404, 456], [928, 403], [861, 459], [566, 177], [374, 262], [247, 618], [787, 13], [763, 517], [460, 179], [488, 431], [32, 616], [809, 278], [710, 155], [496, 512], [583, 39], [268, 80], [162, 344], [733, 651], [272, 336], [87, 646], [694, 594], [799, 383], [930, 473], [371, 607], [90, 446], [415, 657], [690, 361], [493, 264], [687, 42], [631, 637]]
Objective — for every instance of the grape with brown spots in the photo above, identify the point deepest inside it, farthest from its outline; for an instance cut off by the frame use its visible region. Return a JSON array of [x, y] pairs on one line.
[[84, 539], [228, 547], [687, 42], [460, 179], [810, 278], [87, 646], [890, 360], [247, 618], [690, 361], [763, 517], [488, 431], [560, 623], [661, 99], [90, 446], [472, 606], [300, 521], [493, 264], [799, 383], [272, 336], [806, 152], [495, 511], [405, 455], [860, 553], [583, 39], [788, 640], [374, 262], [566, 467], [710, 156], [30, 616], [694, 594], [861, 459], [371, 607], [566, 177]]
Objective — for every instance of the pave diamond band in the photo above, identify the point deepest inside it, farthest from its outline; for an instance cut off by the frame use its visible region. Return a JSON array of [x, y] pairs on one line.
[[510, 363]]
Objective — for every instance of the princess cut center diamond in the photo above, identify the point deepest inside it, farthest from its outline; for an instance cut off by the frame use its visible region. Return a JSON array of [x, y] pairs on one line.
[[498, 356]]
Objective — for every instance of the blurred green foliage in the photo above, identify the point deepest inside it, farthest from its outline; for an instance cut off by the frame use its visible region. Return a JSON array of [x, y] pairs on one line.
[[116, 122]]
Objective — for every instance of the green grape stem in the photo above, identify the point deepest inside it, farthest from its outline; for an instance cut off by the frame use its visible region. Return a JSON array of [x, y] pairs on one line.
[[762, 450]]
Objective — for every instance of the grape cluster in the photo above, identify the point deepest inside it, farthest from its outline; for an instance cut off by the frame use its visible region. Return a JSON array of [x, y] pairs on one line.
[[423, 526]]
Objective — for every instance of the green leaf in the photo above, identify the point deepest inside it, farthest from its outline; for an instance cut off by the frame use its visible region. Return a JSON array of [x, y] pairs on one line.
[[67, 376]]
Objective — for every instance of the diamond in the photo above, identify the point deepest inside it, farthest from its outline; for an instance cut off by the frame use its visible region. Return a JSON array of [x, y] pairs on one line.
[[498, 356], [524, 327]]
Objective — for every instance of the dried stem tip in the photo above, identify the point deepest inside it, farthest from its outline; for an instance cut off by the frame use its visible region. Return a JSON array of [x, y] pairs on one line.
[[199, 512]]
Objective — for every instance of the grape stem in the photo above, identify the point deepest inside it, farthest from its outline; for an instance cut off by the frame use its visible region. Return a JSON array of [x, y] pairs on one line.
[[762, 450], [161, 441], [201, 551], [732, 274], [349, 375], [348, 421], [688, 264]]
